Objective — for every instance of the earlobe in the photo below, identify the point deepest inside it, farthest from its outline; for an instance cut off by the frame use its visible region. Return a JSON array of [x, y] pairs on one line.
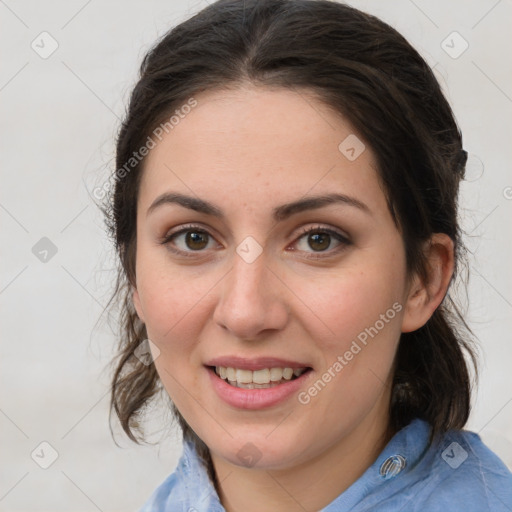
[[137, 304], [425, 296]]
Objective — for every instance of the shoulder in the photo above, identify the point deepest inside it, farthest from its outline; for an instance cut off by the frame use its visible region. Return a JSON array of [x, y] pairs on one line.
[[187, 488], [160, 496], [466, 473]]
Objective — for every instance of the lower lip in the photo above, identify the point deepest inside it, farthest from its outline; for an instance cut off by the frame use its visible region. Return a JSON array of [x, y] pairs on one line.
[[255, 398]]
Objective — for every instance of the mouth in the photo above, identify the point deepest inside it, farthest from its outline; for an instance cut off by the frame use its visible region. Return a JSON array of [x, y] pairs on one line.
[[256, 383], [263, 378]]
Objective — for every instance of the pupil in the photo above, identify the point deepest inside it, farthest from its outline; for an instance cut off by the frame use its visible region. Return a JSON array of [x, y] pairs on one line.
[[196, 240], [319, 241]]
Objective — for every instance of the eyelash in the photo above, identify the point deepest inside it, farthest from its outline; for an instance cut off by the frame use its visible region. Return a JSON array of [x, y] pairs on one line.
[[344, 241]]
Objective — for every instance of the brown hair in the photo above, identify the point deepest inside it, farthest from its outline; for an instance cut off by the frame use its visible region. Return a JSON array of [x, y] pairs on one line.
[[366, 71]]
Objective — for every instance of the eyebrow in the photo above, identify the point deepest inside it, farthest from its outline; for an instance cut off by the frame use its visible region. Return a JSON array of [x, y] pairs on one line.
[[279, 213]]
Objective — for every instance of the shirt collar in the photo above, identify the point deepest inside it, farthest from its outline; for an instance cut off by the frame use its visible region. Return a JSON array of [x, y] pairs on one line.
[[398, 459], [391, 469], [197, 486]]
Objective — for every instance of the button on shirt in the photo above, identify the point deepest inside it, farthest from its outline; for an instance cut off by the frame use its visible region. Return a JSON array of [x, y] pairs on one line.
[[458, 473]]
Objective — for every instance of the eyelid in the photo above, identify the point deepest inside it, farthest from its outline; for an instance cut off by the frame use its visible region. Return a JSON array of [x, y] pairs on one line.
[[323, 229]]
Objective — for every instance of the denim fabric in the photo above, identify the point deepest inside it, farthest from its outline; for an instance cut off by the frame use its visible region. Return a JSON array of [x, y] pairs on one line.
[[459, 473]]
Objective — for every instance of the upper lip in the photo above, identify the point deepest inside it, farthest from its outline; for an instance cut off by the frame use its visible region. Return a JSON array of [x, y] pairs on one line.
[[257, 363]]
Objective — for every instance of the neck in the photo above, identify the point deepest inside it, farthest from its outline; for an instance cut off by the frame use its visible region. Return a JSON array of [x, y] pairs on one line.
[[311, 485]]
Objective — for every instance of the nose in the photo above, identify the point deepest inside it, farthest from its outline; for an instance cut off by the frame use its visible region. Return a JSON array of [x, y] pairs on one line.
[[252, 300]]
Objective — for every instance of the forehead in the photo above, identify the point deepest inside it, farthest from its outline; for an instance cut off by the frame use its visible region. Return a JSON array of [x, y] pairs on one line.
[[258, 144]]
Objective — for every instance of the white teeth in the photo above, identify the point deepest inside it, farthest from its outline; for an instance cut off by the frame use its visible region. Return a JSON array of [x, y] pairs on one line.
[[243, 376], [268, 377], [287, 373], [230, 373], [261, 376], [276, 374]]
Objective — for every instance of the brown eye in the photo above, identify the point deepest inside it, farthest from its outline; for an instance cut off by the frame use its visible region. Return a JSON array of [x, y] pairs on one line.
[[319, 241], [196, 240], [189, 240]]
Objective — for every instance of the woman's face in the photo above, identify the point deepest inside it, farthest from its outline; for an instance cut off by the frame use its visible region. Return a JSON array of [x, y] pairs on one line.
[[266, 273]]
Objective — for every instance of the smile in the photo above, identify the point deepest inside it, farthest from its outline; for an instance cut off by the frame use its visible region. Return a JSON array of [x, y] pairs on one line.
[[257, 388]]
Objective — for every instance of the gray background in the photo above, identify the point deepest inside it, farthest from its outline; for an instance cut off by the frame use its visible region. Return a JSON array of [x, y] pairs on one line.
[[60, 115]]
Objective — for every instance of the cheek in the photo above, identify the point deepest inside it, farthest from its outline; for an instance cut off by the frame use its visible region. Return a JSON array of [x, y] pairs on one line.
[[354, 302], [362, 309], [181, 385], [172, 299], [363, 313], [175, 308]]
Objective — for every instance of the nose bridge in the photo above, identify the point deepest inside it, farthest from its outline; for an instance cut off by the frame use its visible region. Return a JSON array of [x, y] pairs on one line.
[[249, 301]]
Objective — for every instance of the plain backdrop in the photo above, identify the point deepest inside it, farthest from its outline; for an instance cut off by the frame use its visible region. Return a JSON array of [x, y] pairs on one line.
[[60, 114]]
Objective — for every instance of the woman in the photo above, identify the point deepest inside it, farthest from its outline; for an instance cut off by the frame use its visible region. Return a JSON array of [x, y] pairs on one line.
[[285, 213]]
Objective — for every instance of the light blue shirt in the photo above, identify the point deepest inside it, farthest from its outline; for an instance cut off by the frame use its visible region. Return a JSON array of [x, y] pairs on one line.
[[459, 473]]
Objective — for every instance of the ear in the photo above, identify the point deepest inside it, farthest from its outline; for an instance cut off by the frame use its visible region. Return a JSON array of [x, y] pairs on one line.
[[137, 304], [424, 297]]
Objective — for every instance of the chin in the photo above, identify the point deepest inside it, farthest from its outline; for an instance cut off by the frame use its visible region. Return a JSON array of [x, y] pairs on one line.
[[258, 451]]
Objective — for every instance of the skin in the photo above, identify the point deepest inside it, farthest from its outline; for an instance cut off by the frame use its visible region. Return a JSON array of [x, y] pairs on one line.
[[247, 151]]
